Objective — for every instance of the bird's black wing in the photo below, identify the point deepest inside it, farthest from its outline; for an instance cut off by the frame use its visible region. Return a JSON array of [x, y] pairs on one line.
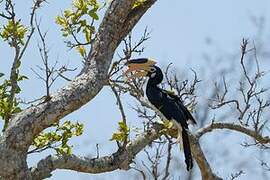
[[173, 109], [177, 100]]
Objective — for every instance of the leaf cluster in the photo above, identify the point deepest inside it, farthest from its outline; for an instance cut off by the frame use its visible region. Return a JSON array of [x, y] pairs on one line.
[[7, 107], [79, 20], [14, 33], [138, 3], [122, 133], [58, 139]]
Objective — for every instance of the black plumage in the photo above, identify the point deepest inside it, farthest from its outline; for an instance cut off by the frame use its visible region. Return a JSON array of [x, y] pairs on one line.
[[169, 105]]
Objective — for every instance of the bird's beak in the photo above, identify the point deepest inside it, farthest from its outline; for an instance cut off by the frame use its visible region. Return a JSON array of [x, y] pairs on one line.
[[138, 67]]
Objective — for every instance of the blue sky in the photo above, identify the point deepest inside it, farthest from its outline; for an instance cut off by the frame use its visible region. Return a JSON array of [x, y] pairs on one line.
[[179, 32]]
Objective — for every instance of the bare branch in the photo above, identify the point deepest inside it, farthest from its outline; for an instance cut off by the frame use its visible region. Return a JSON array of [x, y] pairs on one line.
[[37, 4], [236, 175], [169, 158], [234, 127], [141, 172]]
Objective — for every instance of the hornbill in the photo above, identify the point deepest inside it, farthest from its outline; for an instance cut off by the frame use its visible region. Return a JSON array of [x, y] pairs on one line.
[[167, 103]]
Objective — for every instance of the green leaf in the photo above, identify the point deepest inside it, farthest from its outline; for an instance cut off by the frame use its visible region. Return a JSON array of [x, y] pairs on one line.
[[81, 50], [16, 110], [138, 3], [22, 77], [117, 137], [93, 15], [68, 13], [122, 134], [18, 64], [18, 90], [88, 35], [59, 20]]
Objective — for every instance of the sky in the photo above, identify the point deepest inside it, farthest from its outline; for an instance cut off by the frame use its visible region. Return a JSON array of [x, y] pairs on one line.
[[181, 32]]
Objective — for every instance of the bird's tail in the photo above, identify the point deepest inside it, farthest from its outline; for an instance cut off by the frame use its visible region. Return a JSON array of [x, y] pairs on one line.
[[187, 151]]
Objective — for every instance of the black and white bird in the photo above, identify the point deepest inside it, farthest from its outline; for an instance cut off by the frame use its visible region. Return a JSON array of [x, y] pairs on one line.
[[168, 104]]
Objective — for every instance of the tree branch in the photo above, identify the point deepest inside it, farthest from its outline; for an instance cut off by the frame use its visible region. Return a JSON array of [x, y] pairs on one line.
[[206, 171], [118, 160], [235, 127]]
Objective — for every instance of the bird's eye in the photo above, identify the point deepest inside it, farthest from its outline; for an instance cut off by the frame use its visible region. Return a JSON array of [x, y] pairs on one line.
[[152, 69]]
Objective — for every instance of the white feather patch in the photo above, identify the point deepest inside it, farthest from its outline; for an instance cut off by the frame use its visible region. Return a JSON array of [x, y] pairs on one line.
[[179, 136], [153, 75]]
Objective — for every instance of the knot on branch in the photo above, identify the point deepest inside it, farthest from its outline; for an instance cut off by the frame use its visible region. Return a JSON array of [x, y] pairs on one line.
[[43, 168], [123, 158]]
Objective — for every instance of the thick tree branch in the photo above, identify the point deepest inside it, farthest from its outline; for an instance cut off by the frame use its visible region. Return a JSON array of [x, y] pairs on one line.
[[119, 160], [206, 171]]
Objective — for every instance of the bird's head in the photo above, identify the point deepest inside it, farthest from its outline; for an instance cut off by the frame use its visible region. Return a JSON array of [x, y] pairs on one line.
[[142, 67]]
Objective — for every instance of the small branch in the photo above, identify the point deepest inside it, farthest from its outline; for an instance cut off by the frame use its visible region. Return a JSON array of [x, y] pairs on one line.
[[128, 51], [121, 108], [8, 8], [119, 103], [37, 4], [243, 53], [141, 172], [51, 73], [236, 175], [97, 147], [169, 158], [45, 58]]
